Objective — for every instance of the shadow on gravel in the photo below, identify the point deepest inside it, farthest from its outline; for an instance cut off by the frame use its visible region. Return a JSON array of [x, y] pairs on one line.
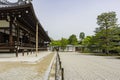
[[112, 57], [118, 57], [108, 56], [102, 54]]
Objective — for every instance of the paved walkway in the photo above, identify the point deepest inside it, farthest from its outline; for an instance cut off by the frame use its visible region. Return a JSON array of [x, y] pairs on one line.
[[88, 67], [21, 68], [26, 58]]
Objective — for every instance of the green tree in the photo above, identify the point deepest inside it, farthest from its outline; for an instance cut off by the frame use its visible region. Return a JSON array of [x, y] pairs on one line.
[[73, 40], [86, 41], [106, 21], [115, 40], [81, 36], [55, 43], [64, 43]]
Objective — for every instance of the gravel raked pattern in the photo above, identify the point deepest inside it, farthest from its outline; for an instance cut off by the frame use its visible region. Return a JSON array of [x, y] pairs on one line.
[[88, 67]]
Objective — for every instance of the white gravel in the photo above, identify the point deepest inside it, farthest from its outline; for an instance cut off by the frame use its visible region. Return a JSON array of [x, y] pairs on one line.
[[87, 67]]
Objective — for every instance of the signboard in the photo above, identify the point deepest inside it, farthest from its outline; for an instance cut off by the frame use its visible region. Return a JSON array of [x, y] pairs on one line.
[[4, 24]]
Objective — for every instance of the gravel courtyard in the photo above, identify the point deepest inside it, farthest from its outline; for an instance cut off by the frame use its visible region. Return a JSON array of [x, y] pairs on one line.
[[88, 67]]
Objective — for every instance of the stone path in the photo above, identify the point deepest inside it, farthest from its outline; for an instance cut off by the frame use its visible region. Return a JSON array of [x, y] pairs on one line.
[[25, 68], [88, 67], [27, 58]]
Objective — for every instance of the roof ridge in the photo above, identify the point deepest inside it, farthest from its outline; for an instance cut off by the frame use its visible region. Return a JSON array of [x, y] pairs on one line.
[[6, 3]]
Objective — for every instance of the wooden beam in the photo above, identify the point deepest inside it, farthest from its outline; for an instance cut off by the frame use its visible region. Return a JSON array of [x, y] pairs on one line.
[[36, 39]]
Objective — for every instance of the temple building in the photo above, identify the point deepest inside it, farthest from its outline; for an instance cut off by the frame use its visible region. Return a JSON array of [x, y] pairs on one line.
[[20, 29]]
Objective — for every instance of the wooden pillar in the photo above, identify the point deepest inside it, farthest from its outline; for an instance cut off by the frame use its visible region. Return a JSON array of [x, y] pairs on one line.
[[18, 36], [23, 52], [11, 36], [36, 38], [31, 51], [27, 52], [29, 39]]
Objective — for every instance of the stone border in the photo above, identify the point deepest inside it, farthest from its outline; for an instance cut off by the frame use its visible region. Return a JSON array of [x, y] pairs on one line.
[[47, 73]]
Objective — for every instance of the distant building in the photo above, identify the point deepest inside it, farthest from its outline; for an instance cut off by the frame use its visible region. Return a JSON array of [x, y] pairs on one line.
[[69, 48]]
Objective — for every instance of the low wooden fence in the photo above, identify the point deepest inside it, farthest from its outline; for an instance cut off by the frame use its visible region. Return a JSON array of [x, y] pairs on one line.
[[59, 71]]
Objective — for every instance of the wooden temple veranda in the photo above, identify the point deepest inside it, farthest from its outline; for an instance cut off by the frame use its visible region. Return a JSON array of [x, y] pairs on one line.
[[20, 29]]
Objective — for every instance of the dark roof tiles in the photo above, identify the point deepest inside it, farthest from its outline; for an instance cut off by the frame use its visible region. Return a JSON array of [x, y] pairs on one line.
[[5, 3]]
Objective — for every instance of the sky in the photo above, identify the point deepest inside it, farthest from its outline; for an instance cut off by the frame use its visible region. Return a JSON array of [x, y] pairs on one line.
[[62, 18]]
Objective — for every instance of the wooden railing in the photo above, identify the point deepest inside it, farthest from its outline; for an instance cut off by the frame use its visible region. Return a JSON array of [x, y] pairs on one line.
[[16, 48], [59, 71]]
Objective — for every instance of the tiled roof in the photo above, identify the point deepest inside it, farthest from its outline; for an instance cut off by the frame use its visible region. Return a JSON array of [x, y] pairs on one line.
[[5, 3]]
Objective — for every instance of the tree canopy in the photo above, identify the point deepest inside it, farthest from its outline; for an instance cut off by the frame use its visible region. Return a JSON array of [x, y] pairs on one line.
[[73, 40], [64, 43], [82, 35], [106, 21]]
